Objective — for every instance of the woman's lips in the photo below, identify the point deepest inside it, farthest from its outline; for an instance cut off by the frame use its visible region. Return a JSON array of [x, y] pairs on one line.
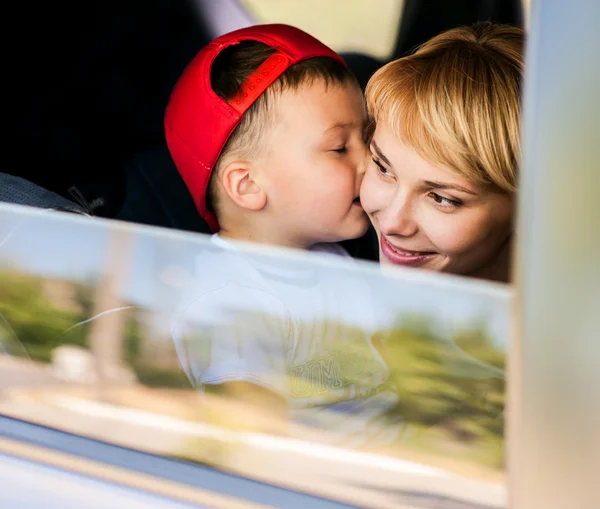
[[401, 257]]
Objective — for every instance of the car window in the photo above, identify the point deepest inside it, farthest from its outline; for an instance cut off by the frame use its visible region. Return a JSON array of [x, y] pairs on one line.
[[309, 372], [349, 26]]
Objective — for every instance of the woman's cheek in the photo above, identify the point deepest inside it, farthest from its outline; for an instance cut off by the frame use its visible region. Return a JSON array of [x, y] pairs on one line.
[[454, 233]]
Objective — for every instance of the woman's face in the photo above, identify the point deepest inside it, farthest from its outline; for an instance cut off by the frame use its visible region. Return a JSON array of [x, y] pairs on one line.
[[430, 217]]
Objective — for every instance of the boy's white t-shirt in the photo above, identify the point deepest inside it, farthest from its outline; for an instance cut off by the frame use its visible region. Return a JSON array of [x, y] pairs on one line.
[[299, 330]]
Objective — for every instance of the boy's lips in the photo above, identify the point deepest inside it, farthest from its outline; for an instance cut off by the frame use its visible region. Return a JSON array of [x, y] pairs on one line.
[[400, 256]]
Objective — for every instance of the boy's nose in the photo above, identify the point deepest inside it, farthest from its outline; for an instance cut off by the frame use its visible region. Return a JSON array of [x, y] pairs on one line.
[[361, 169], [363, 163]]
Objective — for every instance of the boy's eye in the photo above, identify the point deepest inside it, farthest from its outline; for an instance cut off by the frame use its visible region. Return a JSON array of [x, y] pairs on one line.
[[341, 150], [445, 202]]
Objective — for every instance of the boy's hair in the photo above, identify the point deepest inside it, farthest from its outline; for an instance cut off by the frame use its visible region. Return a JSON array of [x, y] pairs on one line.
[[231, 69], [457, 101]]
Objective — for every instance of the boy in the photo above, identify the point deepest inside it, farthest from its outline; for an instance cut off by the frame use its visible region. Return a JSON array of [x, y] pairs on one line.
[[266, 128]]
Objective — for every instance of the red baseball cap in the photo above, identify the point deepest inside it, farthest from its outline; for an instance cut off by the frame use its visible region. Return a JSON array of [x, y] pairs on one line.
[[198, 122]]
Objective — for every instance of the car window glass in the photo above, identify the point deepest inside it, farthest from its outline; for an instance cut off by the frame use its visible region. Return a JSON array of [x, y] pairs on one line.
[[381, 389]]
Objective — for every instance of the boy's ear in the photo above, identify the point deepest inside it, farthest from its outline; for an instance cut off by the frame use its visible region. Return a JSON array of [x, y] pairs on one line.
[[238, 182]]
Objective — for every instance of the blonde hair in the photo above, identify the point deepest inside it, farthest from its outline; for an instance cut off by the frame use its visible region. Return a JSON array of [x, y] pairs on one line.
[[457, 101]]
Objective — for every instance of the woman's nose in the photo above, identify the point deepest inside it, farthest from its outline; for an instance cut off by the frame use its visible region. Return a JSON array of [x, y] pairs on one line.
[[398, 218]]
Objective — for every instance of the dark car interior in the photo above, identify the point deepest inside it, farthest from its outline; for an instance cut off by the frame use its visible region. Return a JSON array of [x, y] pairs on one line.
[[88, 98]]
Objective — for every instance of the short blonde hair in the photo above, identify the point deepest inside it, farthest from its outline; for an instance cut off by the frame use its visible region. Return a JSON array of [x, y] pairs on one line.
[[457, 101]]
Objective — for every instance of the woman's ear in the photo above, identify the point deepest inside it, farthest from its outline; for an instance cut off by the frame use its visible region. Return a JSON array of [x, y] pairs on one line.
[[238, 182]]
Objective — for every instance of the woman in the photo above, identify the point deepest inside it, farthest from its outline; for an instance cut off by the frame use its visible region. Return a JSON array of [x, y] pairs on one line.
[[440, 190]]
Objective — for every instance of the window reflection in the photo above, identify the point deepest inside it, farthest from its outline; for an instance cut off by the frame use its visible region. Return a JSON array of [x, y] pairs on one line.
[[374, 387]]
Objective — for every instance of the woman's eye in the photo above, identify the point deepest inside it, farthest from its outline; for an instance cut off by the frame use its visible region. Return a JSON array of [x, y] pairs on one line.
[[445, 202], [380, 168], [341, 150]]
